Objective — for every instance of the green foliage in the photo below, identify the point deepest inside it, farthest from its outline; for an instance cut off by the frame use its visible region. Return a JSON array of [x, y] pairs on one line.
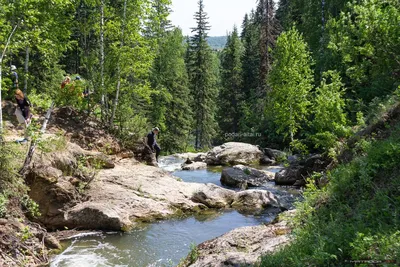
[[356, 216], [193, 254], [378, 107], [3, 205], [298, 147], [310, 18], [40, 101], [291, 80], [51, 144], [329, 117], [377, 247], [31, 207], [72, 95], [366, 40], [247, 171], [26, 234], [8, 173]]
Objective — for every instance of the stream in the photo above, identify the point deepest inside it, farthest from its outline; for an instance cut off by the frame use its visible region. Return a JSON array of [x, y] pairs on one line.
[[165, 243]]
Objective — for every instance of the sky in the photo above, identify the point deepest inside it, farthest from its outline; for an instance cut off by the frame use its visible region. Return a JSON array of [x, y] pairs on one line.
[[223, 14]]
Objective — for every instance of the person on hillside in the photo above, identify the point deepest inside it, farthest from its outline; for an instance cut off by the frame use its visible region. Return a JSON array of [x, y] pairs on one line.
[[23, 112], [152, 142], [14, 77], [67, 80]]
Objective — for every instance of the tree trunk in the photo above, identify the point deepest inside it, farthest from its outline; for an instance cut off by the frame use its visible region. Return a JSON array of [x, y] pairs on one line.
[[119, 70], [102, 59], [26, 70]]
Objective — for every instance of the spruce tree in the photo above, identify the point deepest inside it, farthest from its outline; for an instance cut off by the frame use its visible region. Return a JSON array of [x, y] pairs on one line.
[[202, 80], [231, 94], [250, 72], [172, 76], [251, 57]]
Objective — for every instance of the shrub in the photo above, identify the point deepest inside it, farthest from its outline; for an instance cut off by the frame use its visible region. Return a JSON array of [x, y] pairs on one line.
[[31, 207], [3, 205], [356, 216]]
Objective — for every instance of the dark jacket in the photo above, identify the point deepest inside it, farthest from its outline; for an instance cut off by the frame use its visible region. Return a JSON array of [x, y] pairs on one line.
[[24, 105], [151, 140]]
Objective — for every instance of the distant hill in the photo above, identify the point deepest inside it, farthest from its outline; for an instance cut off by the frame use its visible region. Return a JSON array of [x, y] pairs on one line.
[[217, 42]]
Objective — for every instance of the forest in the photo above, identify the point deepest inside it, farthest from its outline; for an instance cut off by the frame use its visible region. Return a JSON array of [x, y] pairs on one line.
[[302, 76]]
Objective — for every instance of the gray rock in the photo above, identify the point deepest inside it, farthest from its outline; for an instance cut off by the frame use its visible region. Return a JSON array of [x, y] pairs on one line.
[[194, 166], [265, 160], [293, 159], [241, 247], [242, 177], [51, 191], [255, 200], [275, 154], [214, 197], [201, 157], [234, 153], [297, 173], [193, 157]]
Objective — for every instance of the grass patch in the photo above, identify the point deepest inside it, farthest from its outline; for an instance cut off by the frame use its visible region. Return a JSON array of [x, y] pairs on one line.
[[355, 217]]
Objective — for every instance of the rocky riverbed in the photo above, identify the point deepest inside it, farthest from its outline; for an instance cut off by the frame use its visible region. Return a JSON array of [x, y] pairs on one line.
[[124, 193]]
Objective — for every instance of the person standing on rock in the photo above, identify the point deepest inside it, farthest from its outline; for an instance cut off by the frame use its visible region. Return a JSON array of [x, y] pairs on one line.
[[152, 142]]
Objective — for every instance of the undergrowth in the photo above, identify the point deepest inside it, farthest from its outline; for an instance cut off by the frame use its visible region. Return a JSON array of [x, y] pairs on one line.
[[356, 217], [12, 185]]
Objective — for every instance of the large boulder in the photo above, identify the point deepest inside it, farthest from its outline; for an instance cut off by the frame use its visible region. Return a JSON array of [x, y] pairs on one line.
[[297, 173], [214, 197], [255, 200], [275, 154], [240, 247], [52, 191], [233, 154], [241, 176]]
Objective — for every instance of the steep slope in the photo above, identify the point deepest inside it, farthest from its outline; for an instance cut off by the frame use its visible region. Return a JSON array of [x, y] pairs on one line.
[[356, 217]]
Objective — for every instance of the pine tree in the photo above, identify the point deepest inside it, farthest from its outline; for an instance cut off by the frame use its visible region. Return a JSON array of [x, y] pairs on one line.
[[203, 81], [291, 79], [231, 94]]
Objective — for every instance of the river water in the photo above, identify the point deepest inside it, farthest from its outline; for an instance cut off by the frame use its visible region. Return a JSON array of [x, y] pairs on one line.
[[163, 243]]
